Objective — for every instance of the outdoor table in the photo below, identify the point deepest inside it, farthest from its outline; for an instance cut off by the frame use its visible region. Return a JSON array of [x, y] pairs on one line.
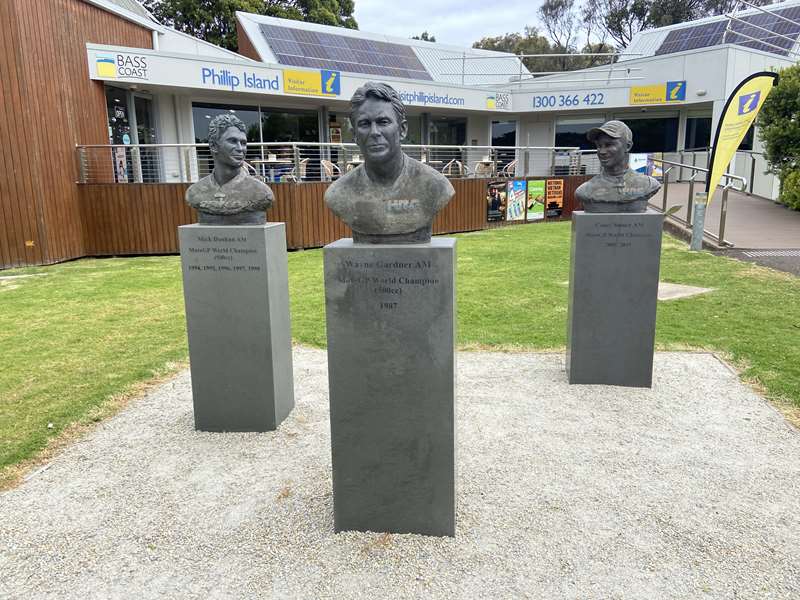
[[492, 164]]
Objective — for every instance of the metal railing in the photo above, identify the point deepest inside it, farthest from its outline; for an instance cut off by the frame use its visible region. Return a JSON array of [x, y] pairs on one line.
[[750, 164], [308, 162], [673, 172]]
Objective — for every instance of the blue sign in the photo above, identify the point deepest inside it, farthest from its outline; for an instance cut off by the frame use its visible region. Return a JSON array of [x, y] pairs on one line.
[[331, 82], [748, 102], [676, 91]]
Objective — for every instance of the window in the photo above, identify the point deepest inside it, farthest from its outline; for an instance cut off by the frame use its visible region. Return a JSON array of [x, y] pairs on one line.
[[698, 133], [504, 133], [654, 134], [279, 125], [203, 113], [448, 131], [572, 132], [747, 140]]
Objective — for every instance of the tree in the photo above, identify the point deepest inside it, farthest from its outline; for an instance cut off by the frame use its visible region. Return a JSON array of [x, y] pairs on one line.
[[528, 42], [561, 21], [622, 19], [619, 19], [779, 130], [424, 37], [215, 20]]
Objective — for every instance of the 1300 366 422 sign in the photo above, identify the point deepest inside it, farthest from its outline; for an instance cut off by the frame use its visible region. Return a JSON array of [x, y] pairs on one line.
[[569, 100]]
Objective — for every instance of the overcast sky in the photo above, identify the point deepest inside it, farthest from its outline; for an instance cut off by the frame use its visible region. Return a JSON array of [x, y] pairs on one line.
[[457, 22]]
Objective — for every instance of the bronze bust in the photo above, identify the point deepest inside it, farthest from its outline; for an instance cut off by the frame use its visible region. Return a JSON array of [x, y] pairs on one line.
[[617, 188], [229, 196], [391, 198]]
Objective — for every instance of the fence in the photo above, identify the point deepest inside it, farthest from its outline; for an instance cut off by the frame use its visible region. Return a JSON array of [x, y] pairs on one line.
[[691, 165], [143, 218], [312, 162]]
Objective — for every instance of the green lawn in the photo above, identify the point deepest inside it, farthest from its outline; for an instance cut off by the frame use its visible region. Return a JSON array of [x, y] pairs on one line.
[[76, 334]]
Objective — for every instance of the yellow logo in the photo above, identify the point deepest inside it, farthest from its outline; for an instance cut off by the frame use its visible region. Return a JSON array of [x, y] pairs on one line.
[[106, 65], [331, 82]]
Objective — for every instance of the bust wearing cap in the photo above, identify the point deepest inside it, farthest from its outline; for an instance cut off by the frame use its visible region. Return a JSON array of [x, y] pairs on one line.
[[617, 188], [391, 198]]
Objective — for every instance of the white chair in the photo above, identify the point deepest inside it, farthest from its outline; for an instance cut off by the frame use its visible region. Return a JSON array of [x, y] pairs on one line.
[[330, 170], [454, 168], [294, 176], [510, 170]]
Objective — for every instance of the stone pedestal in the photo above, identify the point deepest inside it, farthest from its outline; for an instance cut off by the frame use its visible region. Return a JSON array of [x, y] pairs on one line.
[[613, 291], [236, 289], [391, 368]]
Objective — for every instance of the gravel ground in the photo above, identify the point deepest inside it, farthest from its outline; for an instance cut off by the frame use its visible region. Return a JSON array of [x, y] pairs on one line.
[[688, 490]]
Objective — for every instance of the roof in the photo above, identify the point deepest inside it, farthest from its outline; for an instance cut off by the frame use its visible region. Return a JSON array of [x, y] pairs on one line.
[[130, 10], [302, 44], [773, 33]]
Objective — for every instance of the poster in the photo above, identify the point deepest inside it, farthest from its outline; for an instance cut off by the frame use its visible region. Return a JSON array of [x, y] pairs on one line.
[[638, 163], [120, 165], [335, 133], [554, 196], [655, 168], [536, 192], [496, 201], [515, 200]]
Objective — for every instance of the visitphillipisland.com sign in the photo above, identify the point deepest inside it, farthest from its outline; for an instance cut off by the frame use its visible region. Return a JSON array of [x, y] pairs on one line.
[[312, 83], [661, 93]]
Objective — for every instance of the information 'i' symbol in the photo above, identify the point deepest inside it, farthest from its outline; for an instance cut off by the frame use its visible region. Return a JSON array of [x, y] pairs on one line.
[[329, 83], [673, 95]]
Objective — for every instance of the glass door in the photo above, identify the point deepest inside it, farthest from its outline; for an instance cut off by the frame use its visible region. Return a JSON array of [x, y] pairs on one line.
[[149, 166]]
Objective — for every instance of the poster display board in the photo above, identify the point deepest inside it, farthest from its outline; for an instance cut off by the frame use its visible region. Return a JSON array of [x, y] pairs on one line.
[[554, 195], [496, 201], [536, 194], [516, 200]]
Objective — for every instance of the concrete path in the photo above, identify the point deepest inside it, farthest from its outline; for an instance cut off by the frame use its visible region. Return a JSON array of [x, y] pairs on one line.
[[688, 490], [751, 222]]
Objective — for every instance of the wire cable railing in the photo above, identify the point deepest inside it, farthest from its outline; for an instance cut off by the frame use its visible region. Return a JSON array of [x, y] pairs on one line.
[[298, 162]]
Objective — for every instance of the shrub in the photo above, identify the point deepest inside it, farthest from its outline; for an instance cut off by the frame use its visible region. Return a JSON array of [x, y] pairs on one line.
[[779, 129], [790, 189]]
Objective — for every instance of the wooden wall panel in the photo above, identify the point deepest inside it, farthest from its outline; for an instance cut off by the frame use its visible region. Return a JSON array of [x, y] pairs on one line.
[[125, 219], [20, 232], [49, 105], [244, 45], [571, 184], [467, 210]]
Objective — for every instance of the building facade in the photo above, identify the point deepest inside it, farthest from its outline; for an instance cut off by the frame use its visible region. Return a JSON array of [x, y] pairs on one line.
[[105, 72]]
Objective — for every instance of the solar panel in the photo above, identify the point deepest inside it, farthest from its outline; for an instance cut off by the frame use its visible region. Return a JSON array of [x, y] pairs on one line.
[[318, 50], [759, 31]]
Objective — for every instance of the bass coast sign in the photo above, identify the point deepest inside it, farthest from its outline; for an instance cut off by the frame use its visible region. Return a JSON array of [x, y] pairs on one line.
[[498, 101], [126, 65], [115, 65]]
